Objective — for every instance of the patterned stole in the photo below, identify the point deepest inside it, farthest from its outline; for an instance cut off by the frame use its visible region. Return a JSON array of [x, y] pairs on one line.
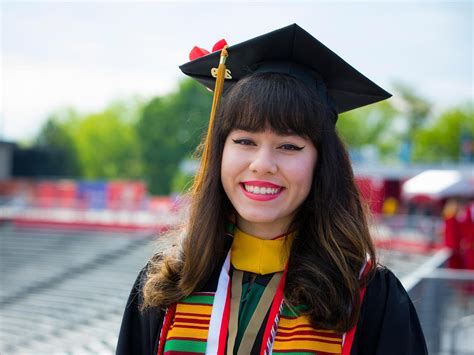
[[189, 328], [295, 335], [283, 330], [188, 332]]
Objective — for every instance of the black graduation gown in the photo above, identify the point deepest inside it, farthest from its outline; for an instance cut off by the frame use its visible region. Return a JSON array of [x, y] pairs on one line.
[[388, 322]]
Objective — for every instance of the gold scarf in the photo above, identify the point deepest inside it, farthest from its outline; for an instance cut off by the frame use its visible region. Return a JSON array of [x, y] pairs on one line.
[[260, 256]]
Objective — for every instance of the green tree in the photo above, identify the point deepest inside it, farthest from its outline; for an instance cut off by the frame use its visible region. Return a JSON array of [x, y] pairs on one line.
[[107, 143], [415, 109], [441, 141], [367, 125], [370, 125], [170, 129], [181, 182], [55, 135]]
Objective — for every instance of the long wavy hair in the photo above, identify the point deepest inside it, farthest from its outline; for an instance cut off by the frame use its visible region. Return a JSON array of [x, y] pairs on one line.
[[333, 240]]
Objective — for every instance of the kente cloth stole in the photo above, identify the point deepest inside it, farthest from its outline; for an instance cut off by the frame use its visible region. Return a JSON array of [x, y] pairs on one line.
[[199, 324]]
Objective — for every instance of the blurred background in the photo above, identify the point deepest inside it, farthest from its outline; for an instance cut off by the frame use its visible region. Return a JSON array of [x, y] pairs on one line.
[[98, 128]]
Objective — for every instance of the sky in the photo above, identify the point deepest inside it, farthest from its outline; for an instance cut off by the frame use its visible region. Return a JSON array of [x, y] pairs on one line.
[[88, 54]]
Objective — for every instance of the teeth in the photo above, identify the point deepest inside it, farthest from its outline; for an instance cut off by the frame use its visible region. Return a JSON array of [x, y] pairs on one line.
[[261, 190]]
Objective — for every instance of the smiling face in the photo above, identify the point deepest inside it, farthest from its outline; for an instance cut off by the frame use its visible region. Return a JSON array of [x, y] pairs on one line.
[[266, 177]]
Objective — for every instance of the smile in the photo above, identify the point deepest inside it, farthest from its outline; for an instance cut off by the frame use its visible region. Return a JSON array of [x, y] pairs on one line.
[[261, 191]]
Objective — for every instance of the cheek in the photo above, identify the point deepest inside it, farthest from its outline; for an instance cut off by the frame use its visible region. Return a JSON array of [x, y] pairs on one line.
[[304, 177], [229, 167], [224, 167], [226, 156], [226, 161]]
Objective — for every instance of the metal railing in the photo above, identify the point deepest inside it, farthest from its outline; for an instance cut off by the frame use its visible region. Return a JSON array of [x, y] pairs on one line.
[[444, 300], [419, 227]]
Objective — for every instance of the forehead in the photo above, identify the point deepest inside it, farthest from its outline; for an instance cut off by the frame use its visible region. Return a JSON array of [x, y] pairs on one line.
[[278, 124], [268, 131]]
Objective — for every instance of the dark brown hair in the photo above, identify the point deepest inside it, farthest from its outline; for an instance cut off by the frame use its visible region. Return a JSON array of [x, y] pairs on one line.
[[333, 239]]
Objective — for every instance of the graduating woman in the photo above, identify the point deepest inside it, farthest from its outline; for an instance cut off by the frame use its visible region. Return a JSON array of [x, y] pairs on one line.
[[276, 254]]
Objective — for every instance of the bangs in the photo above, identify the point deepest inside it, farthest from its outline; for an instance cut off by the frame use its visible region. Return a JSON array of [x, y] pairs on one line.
[[273, 101]]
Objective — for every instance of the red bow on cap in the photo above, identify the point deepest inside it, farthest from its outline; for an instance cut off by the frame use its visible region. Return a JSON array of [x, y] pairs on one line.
[[198, 52]]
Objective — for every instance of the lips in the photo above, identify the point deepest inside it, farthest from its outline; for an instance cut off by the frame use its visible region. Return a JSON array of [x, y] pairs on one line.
[[261, 190]]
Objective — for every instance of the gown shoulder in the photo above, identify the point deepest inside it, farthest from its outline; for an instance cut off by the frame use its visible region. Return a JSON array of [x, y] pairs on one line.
[[388, 322], [139, 331]]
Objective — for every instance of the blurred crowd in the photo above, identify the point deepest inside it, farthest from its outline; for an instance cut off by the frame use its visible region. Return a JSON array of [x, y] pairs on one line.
[[459, 233]]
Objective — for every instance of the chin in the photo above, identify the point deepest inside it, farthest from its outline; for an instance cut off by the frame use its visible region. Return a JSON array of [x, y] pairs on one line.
[[255, 218]]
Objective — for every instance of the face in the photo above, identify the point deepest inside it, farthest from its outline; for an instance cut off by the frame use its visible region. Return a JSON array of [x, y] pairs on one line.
[[267, 176]]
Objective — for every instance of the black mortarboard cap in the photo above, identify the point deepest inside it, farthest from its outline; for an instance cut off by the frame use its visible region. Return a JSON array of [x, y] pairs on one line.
[[292, 50]]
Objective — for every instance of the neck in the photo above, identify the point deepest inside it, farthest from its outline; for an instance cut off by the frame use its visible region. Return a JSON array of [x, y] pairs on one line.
[[262, 230]]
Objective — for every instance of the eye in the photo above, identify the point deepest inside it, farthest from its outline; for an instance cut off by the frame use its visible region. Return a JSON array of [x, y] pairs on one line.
[[243, 141], [291, 147]]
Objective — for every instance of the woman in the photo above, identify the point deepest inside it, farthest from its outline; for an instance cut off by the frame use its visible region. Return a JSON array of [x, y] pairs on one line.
[[277, 255]]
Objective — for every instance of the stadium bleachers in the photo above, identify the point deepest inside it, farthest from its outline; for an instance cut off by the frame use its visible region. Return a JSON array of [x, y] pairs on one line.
[[64, 291]]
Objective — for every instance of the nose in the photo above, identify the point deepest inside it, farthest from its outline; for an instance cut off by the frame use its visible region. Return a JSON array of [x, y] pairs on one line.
[[264, 161]]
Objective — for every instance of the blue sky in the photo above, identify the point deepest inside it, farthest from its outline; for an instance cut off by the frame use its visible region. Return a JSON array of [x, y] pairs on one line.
[[87, 54]]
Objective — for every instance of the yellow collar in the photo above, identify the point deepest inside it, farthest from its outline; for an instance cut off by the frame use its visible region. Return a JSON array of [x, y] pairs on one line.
[[261, 256]]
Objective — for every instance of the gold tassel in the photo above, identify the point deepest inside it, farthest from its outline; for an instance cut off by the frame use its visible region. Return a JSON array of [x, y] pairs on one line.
[[220, 77]]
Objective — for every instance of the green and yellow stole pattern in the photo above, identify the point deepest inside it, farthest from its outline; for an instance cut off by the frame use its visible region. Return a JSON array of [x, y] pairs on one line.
[[295, 336], [189, 330]]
